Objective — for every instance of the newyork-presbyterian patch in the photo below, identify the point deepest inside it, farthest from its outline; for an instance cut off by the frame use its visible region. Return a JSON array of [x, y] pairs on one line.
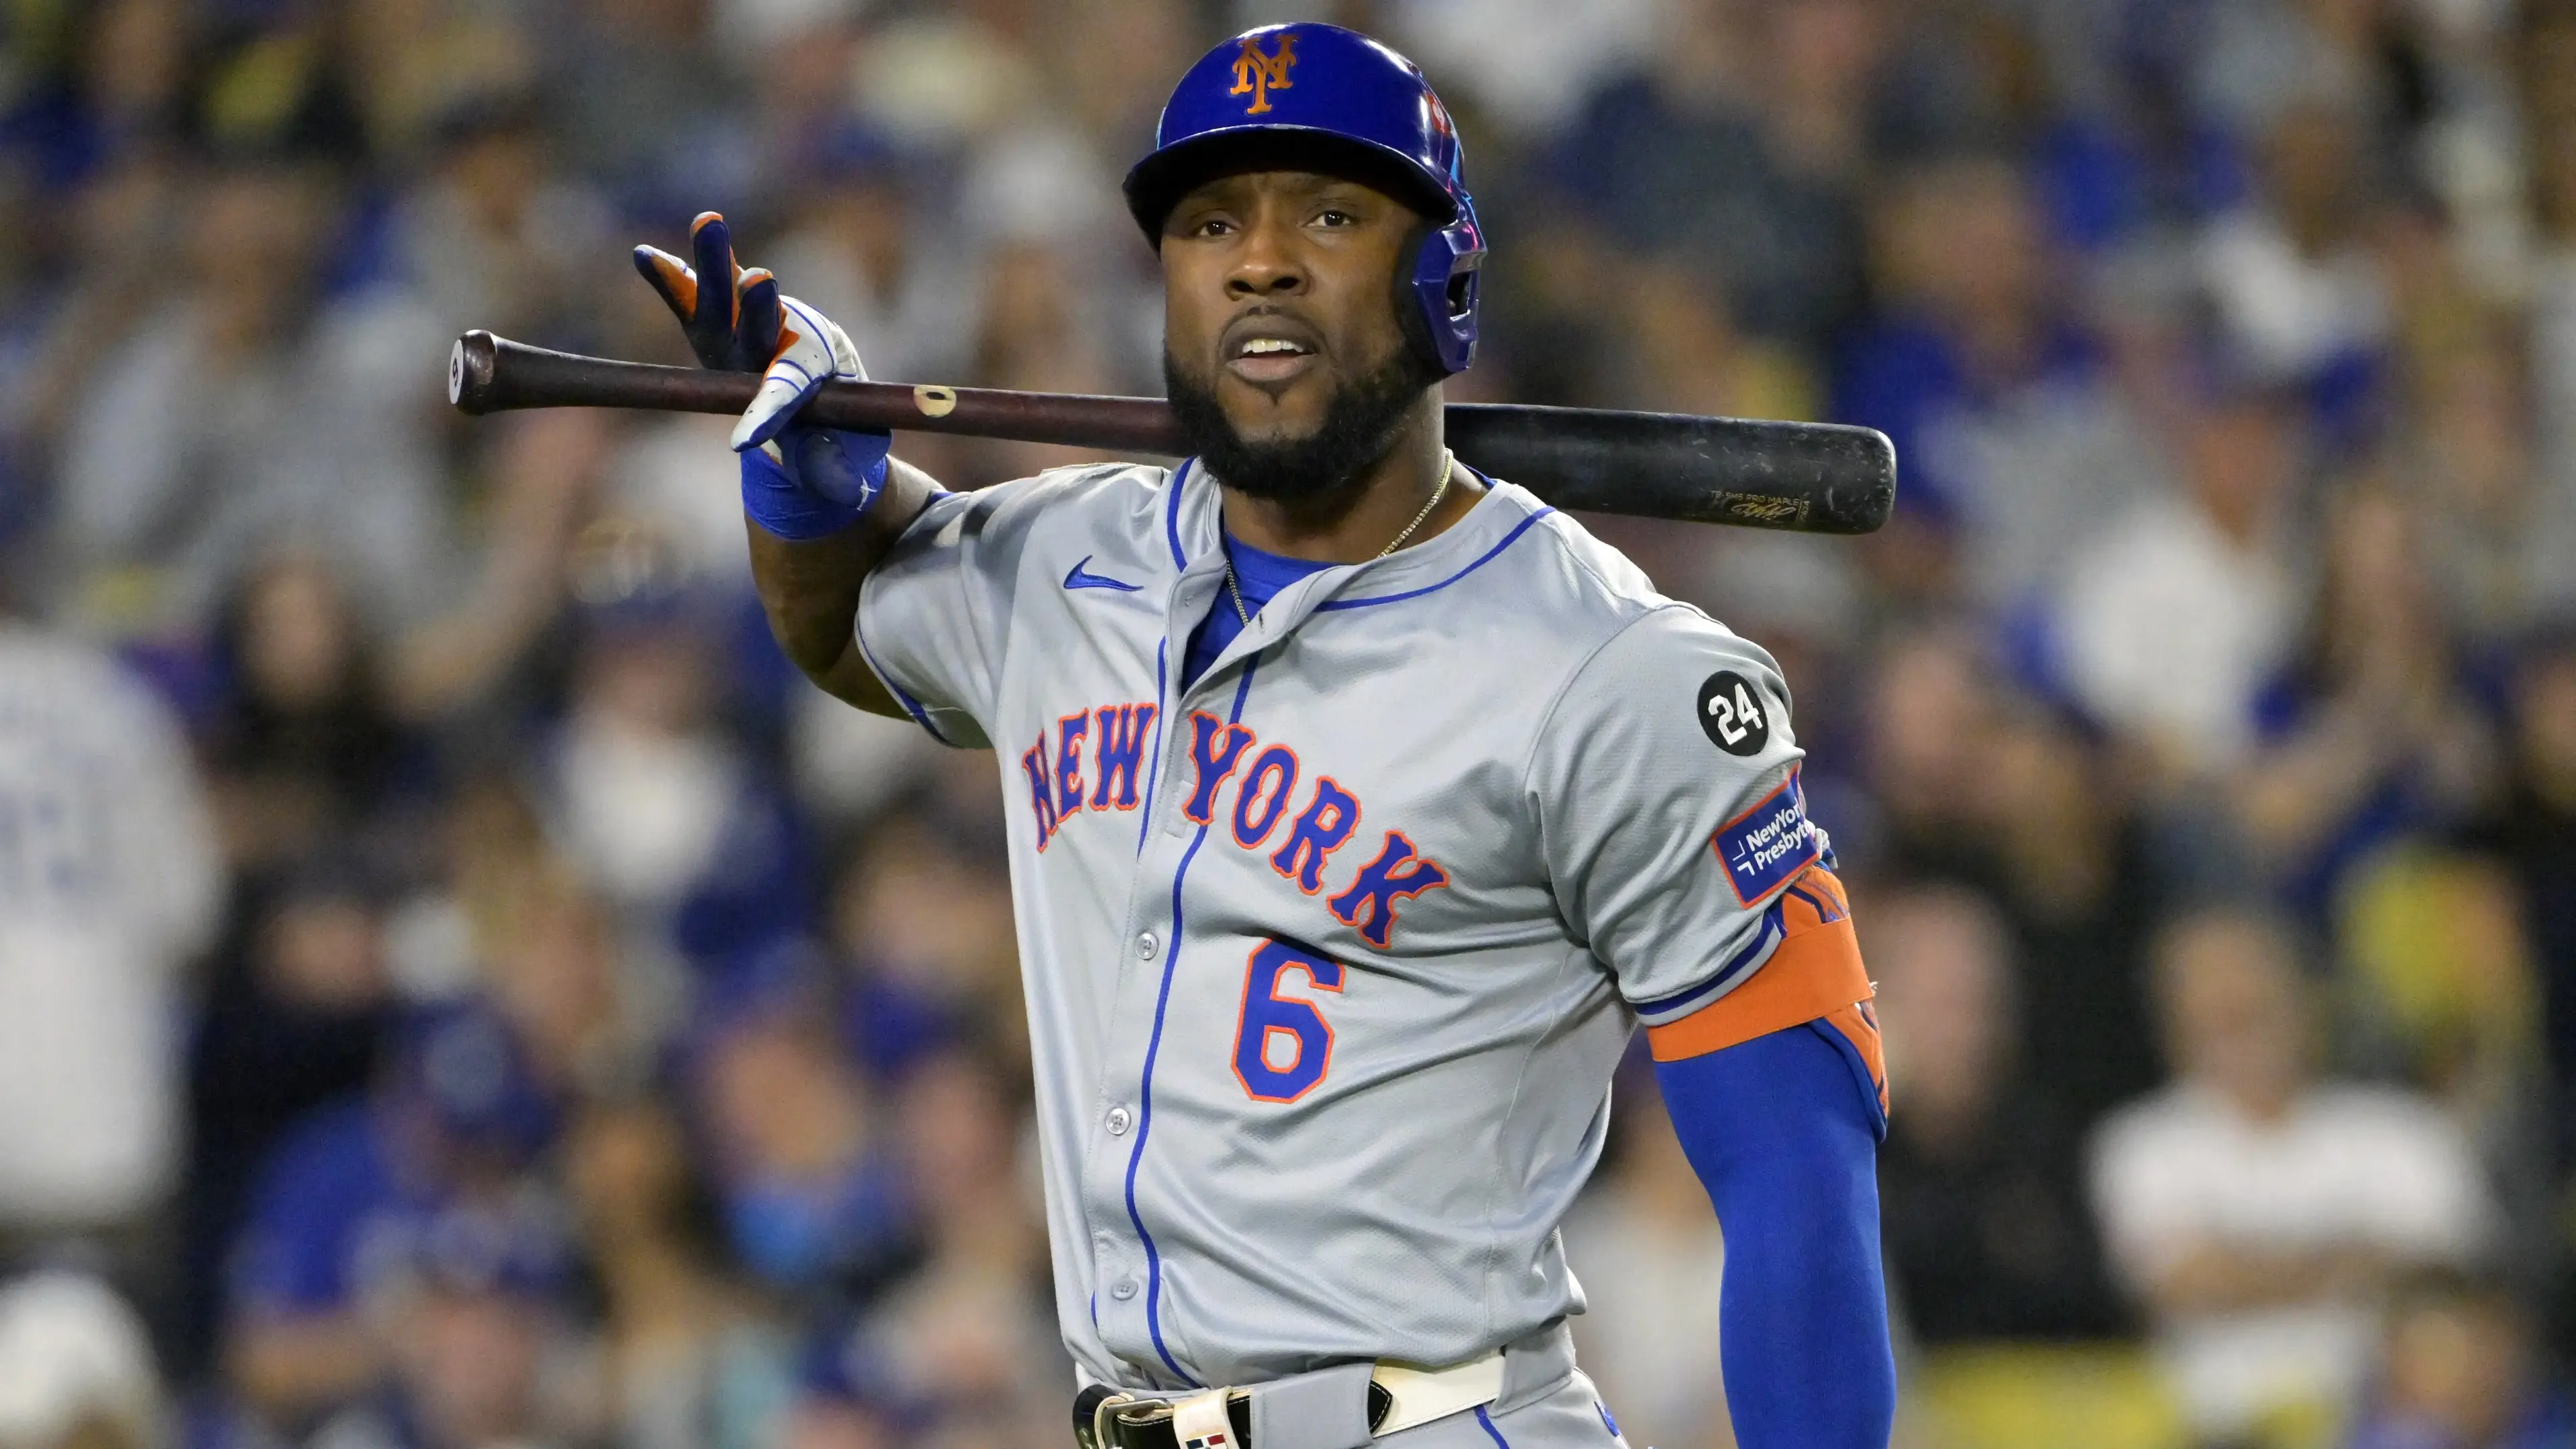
[[1767, 844]]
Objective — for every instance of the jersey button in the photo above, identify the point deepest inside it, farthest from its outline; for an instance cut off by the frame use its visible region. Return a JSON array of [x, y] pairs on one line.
[[1146, 946], [1120, 1119], [1123, 1289]]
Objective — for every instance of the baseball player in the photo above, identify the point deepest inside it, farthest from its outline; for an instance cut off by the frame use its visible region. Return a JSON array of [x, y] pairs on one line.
[[1363, 807]]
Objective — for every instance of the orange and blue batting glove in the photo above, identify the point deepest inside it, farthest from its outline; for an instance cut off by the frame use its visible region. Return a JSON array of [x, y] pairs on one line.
[[798, 482]]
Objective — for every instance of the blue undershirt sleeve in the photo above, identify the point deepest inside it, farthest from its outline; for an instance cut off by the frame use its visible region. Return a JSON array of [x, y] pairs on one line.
[[1785, 1137]]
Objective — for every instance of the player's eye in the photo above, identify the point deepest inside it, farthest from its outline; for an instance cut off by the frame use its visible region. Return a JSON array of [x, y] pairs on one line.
[[1335, 216]]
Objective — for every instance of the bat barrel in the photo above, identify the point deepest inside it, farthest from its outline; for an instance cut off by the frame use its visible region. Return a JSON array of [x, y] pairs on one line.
[[1752, 473]]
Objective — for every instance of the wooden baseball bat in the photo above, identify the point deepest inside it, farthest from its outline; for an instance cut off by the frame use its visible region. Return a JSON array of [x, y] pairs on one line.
[[1801, 477]]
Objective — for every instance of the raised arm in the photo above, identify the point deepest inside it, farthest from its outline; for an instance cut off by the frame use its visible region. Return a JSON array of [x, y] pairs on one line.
[[822, 506]]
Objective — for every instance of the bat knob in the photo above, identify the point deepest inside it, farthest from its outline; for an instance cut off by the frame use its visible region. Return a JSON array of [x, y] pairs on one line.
[[470, 365]]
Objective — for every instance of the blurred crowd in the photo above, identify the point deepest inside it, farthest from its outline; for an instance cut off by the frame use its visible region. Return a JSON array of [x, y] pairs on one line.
[[458, 987]]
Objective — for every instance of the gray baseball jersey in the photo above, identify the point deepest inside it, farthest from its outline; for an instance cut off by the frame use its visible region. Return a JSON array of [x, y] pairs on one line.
[[1329, 956]]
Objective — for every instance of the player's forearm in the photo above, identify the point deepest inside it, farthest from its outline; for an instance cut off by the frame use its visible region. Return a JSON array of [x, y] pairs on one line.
[[1786, 1142], [810, 590]]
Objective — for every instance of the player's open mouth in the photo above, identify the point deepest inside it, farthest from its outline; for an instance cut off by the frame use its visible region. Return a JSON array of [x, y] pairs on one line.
[[1268, 350]]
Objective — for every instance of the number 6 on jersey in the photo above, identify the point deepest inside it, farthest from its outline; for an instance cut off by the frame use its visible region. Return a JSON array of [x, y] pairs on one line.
[[1282, 1044]]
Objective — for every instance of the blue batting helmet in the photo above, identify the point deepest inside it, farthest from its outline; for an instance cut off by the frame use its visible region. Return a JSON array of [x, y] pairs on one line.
[[1299, 95]]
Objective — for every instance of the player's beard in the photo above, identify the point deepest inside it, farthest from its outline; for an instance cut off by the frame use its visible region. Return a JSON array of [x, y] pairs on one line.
[[1319, 471]]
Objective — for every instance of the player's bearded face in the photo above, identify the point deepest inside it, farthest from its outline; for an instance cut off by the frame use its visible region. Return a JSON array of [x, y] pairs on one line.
[[1282, 355]]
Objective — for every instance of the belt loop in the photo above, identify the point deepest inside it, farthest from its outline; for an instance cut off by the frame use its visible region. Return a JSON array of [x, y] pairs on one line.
[[1199, 1422]]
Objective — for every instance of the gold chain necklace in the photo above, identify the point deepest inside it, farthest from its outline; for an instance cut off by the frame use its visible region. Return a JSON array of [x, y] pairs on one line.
[[1448, 464]]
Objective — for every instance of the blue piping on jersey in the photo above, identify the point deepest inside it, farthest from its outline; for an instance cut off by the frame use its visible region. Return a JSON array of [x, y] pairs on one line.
[[1508, 539], [1735, 964], [910, 705], [1172, 515], [1490, 1431], [1154, 771], [1145, 1091]]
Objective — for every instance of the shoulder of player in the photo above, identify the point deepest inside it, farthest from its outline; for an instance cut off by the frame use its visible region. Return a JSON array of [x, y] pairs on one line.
[[1592, 591], [1131, 486], [1122, 499]]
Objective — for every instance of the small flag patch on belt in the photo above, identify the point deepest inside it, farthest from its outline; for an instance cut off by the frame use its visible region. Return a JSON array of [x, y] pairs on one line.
[[1212, 1441]]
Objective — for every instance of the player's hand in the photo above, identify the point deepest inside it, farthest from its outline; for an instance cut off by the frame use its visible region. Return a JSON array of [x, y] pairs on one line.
[[722, 335], [798, 482], [846, 467]]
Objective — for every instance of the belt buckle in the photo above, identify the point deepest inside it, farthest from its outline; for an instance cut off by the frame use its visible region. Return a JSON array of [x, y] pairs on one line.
[[1091, 1413]]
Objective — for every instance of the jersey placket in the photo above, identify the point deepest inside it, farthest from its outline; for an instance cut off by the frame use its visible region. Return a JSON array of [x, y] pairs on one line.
[[1131, 1272], [1127, 1268]]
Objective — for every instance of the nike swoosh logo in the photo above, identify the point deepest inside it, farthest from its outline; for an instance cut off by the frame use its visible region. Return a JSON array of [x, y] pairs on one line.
[[1078, 579]]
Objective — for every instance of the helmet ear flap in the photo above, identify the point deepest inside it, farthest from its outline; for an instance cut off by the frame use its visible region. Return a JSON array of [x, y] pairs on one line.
[[1438, 310]]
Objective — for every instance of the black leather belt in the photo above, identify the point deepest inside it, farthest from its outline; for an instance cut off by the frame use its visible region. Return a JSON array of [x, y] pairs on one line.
[[1147, 1423]]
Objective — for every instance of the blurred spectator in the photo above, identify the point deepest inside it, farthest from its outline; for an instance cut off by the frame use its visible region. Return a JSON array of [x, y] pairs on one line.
[[664, 811], [2258, 1212], [925, 930], [1674, 155], [466, 1321], [2177, 610], [2459, 1368], [436, 1153], [1987, 380], [302, 750], [2533, 831], [109, 885], [2256, 57], [2500, 544], [861, 247], [542, 471], [2294, 277], [76, 1370], [1932, 703], [1988, 1236], [2546, 50], [1524, 64], [2074, 872], [810, 1189], [203, 443], [641, 109], [495, 238], [1650, 1257], [295, 1006], [1976, 786], [2436, 982], [1686, 355], [553, 968], [2370, 731], [967, 1341], [683, 1358]]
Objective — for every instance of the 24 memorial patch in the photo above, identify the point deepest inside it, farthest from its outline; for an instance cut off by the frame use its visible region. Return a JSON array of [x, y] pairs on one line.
[[1730, 710]]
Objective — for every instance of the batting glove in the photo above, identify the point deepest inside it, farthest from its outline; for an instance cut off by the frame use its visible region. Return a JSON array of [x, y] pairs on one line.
[[797, 482]]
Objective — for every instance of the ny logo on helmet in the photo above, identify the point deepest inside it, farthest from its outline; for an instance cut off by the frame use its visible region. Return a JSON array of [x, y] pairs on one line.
[[1256, 74]]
